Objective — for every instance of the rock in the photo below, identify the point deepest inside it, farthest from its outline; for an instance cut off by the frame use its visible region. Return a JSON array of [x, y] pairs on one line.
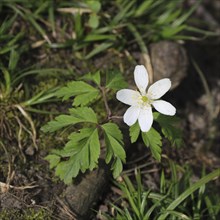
[[169, 60], [81, 196], [29, 151]]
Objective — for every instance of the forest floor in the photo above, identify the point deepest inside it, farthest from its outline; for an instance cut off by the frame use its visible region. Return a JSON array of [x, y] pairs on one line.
[[30, 188]]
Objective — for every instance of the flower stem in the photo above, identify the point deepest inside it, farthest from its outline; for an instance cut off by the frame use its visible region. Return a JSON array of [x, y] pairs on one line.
[[108, 111]]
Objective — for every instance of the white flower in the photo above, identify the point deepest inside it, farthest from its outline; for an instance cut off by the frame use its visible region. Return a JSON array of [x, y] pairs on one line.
[[141, 102]]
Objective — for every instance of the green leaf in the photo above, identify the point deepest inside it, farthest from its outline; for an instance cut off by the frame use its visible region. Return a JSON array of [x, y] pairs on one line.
[[85, 114], [78, 24], [152, 139], [115, 80], [53, 160], [90, 37], [98, 49], [144, 6], [168, 32], [85, 99], [7, 79], [85, 148], [93, 77], [169, 128], [117, 167], [134, 132], [125, 11], [83, 92], [93, 21], [114, 145], [185, 16], [13, 61], [94, 5], [66, 171], [179, 215], [113, 130], [60, 122], [81, 114], [30, 17]]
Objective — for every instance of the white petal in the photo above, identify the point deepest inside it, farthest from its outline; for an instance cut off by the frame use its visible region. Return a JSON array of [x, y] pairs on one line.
[[145, 119], [131, 115], [164, 107], [159, 88], [128, 96], [141, 78]]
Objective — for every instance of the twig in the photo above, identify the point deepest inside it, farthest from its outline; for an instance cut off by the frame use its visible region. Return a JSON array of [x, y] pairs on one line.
[[115, 117], [28, 118], [138, 167], [19, 138], [5, 187], [65, 209]]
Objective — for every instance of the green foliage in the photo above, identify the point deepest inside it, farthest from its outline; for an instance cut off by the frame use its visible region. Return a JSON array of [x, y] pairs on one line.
[[53, 159], [114, 144], [25, 214], [86, 117], [114, 80], [83, 92], [87, 28], [117, 167], [96, 78], [92, 28], [95, 6], [77, 115], [152, 139], [17, 97], [169, 128], [134, 132], [191, 200], [60, 122], [94, 21], [83, 150], [199, 185], [9, 41]]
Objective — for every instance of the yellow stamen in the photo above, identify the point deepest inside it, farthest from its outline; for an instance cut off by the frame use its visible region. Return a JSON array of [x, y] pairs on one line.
[[144, 99]]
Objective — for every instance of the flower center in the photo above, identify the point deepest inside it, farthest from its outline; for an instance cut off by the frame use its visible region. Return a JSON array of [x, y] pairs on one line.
[[144, 99]]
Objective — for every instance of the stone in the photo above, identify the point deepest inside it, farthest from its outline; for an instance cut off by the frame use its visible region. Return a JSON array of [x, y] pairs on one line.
[[169, 60]]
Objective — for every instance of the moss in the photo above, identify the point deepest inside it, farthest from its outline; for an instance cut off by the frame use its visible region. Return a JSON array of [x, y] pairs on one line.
[[26, 214]]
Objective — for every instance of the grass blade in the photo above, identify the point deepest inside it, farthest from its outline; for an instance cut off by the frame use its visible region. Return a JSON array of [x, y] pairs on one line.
[[189, 191], [98, 49]]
